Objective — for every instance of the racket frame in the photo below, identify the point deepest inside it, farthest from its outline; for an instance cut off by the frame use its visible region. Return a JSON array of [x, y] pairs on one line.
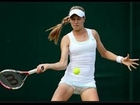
[[27, 73]]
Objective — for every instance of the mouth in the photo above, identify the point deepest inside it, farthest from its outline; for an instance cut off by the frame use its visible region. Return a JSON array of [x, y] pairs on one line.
[[75, 25]]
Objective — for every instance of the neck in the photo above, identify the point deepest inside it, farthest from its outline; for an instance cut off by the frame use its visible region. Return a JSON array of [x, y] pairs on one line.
[[82, 30]]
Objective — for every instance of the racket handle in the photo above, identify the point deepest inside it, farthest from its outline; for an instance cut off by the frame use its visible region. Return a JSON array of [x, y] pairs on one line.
[[35, 70], [32, 71]]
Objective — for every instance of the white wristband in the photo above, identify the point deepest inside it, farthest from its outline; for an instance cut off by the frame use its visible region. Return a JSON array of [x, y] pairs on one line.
[[119, 59]]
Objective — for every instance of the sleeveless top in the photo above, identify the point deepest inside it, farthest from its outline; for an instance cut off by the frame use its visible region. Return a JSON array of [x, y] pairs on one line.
[[82, 55]]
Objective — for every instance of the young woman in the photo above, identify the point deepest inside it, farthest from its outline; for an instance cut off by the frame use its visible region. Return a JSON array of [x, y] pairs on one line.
[[80, 45]]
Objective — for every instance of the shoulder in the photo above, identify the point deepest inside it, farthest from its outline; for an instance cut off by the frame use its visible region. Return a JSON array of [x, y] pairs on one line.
[[94, 33], [65, 39], [67, 36], [92, 30]]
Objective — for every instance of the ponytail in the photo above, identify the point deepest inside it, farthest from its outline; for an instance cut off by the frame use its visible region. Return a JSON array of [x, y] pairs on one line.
[[56, 30]]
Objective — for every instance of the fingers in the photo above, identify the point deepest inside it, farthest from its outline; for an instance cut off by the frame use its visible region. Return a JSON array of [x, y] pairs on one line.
[[40, 69], [127, 55], [129, 68], [135, 63], [134, 60], [133, 66]]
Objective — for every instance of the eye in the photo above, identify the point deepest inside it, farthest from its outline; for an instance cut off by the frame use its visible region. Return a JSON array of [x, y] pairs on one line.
[[78, 18], [72, 18]]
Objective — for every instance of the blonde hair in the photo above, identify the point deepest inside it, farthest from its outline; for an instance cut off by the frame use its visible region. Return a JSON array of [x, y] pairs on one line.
[[56, 30]]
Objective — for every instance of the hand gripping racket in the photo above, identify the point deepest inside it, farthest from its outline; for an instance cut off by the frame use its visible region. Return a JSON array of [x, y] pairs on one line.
[[14, 79]]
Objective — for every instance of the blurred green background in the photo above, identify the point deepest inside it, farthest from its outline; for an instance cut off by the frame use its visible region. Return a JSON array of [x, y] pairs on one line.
[[24, 45]]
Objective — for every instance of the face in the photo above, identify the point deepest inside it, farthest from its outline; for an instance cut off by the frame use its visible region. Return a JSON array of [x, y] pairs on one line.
[[77, 22]]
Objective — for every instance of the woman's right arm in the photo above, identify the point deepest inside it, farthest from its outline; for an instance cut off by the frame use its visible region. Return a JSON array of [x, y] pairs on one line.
[[62, 64]]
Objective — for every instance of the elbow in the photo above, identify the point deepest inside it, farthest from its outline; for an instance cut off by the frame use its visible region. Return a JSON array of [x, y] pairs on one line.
[[64, 66], [104, 54]]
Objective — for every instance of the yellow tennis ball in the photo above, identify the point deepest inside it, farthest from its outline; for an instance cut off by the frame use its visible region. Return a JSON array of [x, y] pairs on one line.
[[76, 71]]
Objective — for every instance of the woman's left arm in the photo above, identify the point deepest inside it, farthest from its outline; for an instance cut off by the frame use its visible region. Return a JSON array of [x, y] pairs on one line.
[[113, 57]]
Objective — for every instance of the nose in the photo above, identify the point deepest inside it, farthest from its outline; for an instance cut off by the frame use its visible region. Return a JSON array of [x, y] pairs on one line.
[[75, 21]]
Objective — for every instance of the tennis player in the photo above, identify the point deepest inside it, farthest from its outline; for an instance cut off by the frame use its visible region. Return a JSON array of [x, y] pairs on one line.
[[80, 45]]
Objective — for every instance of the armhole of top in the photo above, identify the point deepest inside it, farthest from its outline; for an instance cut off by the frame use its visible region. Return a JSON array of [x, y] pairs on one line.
[[90, 34], [69, 36]]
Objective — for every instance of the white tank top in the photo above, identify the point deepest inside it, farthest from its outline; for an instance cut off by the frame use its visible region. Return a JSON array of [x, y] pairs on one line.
[[82, 55]]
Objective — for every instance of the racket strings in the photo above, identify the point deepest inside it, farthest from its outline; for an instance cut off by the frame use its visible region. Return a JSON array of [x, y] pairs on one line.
[[12, 80]]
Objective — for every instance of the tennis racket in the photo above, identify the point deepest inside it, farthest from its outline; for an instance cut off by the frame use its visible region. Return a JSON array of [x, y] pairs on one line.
[[14, 79]]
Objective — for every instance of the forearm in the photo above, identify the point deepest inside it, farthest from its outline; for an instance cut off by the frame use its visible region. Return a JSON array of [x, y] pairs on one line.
[[110, 56], [57, 66]]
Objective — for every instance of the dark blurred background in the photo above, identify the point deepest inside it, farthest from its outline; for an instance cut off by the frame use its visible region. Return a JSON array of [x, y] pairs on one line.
[[24, 45]]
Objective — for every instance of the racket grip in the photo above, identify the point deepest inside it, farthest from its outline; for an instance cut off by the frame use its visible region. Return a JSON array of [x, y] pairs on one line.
[[34, 70]]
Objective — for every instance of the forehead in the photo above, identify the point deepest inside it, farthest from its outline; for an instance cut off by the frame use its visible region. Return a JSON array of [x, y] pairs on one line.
[[75, 16]]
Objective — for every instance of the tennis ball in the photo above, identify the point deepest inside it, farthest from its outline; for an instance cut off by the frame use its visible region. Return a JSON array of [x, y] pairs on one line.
[[76, 71]]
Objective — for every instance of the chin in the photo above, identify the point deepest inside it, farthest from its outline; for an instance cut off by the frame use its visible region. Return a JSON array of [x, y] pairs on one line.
[[76, 29]]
